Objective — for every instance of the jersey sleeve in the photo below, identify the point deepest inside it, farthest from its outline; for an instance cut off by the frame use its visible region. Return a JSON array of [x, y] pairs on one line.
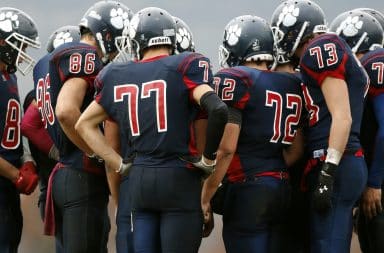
[[196, 70], [375, 70], [323, 58], [78, 62], [232, 86], [105, 93]]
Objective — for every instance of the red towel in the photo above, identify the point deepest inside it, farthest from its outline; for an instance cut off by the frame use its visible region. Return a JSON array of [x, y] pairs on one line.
[[49, 220]]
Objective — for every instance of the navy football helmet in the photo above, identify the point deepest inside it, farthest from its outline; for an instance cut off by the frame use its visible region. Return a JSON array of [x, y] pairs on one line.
[[294, 22], [17, 31], [106, 20], [359, 29], [246, 38], [376, 14], [184, 37], [149, 27], [64, 34]]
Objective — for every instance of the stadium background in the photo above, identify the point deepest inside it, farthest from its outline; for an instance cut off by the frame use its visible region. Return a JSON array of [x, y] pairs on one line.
[[206, 19]]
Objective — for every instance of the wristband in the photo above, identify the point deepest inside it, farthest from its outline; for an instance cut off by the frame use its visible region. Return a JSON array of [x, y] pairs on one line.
[[333, 156]]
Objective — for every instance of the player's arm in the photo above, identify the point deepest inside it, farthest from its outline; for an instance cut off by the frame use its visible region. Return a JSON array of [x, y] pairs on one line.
[[293, 153], [69, 102], [371, 199], [336, 96], [88, 128], [217, 118], [7, 170], [111, 133], [33, 128]]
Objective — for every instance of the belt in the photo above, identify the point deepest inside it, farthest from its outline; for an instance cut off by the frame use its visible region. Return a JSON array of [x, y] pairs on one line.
[[321, 153], [275, 174]]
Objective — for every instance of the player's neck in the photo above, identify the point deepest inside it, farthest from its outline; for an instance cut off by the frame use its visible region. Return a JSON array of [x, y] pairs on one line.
[[151, 53], [257, 65], [287, 67]]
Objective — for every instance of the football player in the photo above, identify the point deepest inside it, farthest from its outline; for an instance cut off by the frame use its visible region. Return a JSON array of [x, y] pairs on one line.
[[154, 100], [366, 42], [17, 32], [264, 113], [43, 150], [76, 208], [334, 90]]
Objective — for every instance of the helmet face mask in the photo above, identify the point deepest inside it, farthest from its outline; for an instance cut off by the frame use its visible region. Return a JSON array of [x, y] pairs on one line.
[[18, 31], [360, 30], [293, 22], [246, 38]]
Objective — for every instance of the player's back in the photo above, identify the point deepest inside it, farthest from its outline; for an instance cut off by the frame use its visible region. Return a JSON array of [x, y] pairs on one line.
[[271, 105], [70, 60], [151, 100], [330, 56], [373, 62]]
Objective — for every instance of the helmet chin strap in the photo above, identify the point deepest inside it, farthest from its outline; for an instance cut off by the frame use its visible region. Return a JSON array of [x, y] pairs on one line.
[[358, 44], [298, 38], [105, 56]]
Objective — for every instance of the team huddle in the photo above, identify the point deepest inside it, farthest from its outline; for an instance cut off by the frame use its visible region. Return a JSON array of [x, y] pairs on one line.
[[285, 141]]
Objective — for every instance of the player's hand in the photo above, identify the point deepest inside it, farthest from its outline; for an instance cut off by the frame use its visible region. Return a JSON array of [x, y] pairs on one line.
[[371, 202], [27, 180], [209, 222], [125, 165], [202, 163], [322, 196]]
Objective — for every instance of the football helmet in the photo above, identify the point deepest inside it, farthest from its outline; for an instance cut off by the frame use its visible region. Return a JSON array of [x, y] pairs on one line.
[[359, 29], [106, 20], [184, 37], [376, 14], [17, 32], [246, 38], [64, 34], [149, 27], [293, 22]]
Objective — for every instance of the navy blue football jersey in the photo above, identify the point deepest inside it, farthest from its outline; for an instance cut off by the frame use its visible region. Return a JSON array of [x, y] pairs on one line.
[[71, 60], [152, 101], [329, 56], [271, 106], [11, 148], [373, 119]]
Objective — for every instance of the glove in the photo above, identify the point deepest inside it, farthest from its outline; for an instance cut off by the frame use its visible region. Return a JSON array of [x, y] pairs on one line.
[[199, 163], [126, 164], [323, 193], [27, 181], [54, 153]]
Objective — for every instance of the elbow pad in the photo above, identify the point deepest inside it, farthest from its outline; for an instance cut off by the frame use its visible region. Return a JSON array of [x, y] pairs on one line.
[[217, 118]]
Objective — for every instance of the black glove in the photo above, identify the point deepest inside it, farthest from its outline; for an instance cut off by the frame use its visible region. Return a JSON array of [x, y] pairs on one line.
[[323, 193], [198, 162]]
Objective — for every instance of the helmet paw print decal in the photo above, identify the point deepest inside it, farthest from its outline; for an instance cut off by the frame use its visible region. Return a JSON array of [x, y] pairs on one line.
[[61, 38], [183, 38], [233, 34], [119, 18], [288, 16], [350, 26], [8, 20]]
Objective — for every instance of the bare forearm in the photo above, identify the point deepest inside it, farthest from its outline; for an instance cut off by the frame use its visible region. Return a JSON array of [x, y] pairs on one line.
[[7, 170], [339, 133]]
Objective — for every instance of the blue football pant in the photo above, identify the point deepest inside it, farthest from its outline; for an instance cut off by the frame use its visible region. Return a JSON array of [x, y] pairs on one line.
[[331, 232], [166, 209], [371, 232], [254, 215], [81, 214], [124, 234], [11, 219]]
